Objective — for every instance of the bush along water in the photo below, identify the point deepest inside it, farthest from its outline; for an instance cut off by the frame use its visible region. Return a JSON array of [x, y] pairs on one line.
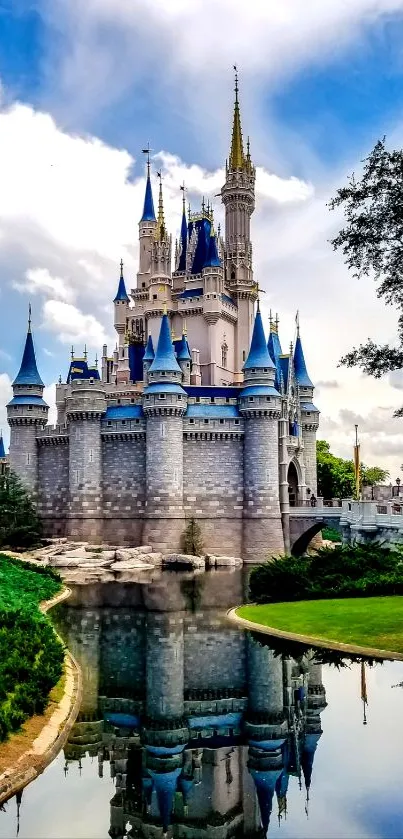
[[359, 570], [31, 656]]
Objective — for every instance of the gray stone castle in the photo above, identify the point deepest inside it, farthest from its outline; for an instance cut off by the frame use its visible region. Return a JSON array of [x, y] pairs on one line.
[[195, 415]]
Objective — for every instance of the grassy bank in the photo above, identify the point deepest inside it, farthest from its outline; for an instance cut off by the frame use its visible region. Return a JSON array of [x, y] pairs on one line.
[[366, 621], [31, 657]]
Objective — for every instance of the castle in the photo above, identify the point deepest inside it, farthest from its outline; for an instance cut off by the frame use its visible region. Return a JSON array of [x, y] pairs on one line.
[[195, 415]]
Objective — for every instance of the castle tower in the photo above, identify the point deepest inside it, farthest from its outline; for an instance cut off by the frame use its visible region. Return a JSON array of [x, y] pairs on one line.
[[309, 415], [260, 404], [27, 413], [164, 404], [147, 228], [121, 308], [184, 359], [160, 279], [85, 405], [275, 352], [148, 357], [183, 244], [238, 197]]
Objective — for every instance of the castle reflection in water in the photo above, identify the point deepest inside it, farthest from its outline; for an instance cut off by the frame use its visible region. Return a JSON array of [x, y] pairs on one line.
[[199, 724]]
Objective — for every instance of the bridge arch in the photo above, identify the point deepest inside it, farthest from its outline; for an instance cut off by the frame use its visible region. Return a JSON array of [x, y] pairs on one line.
[[300, 545]]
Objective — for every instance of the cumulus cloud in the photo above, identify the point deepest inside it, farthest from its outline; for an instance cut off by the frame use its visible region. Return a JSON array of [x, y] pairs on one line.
[[6, 393], [71, 325], [39, 280], [330, 383]]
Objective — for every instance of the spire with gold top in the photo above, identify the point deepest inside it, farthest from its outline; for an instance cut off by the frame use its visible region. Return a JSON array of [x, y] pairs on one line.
[[237, 158]]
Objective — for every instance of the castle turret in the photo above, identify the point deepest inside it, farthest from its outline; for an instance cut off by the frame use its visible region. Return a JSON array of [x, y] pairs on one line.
[[27, 413], [160, 280], [121, 309], [183, 240], [309, 415], [148, 357], [238, 196], [184, 359], [164, 404], [147, 228], [85, 405], [275, 352], [259, 404]]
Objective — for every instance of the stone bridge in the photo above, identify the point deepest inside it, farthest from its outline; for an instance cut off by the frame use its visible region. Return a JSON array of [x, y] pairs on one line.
[[356, 521]]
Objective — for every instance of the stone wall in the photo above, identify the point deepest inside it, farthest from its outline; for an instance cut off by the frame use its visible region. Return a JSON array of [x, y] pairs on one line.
[[263, 533], [213, 491], [309, 438], [24, 454], [85, 477], [123, 488], [214, 654], [122, 652], [53, 487]]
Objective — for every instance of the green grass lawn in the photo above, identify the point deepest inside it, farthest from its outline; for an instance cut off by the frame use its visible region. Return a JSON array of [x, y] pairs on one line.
[[365, 621]]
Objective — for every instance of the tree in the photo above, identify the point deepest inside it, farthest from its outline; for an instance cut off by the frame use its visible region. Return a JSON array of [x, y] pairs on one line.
[[192, 539], [20, 526], [336, 478], [372, 244]]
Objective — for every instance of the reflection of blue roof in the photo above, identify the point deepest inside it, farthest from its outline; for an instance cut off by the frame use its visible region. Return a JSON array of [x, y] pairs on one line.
[[216, 720], [258, 354], [2, 449], [165, 786], [119, 412], [191, 292], [165, 387], [301, 373], [29, 400], [149, 353], [122, 720], [205, 390], [259, 390], [164, 359], [211, 411], [265, 783], [307, 757], [309, 406], [165, 750], [28, 372], [148, 209]]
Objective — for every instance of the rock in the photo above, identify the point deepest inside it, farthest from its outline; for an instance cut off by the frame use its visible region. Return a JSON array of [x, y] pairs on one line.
[[155, 558], [182, 561], [63, 561], [227, 560], [130, 564], [210, 561], [143, 549]]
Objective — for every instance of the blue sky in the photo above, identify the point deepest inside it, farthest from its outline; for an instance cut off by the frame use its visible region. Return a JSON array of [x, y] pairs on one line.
[[85, 86]]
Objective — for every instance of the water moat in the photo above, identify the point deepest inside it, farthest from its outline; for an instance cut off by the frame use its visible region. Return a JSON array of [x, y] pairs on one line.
[[190, 727]]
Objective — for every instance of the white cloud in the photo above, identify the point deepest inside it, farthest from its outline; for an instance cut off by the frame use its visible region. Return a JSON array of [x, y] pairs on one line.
[[49, 395], [6, 393], [39, 280], [71, 325]]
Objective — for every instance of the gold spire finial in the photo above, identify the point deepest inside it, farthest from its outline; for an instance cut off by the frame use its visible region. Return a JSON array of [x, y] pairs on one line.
[[121, 269], [147, 152], [160, 233], [236, 157], [297, 323], [29, 317], [183, 188], [72, 352]]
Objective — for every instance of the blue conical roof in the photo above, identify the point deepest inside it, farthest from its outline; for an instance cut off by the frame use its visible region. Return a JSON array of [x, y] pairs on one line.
[[184, 242], [148, 209], [164, 359], [165, 786], [149, 353], [301, 373], [258, 354], [307, 757], [2, 449], [28, 372], [121, 293], [183, 353], [213, 260]]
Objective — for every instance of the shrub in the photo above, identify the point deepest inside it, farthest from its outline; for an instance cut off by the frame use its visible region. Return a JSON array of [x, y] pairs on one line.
[[20, 526], [192, 542], [331, 534], [342, 571]]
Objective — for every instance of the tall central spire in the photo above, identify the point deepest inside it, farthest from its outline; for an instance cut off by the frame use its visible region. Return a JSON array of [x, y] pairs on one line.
[[161, 232], [237, 157]]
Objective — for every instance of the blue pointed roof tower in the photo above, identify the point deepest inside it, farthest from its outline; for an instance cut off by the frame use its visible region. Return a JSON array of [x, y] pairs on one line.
[[275, 350], [149, 353], [148, 208], [28, 372], [2, 449], [212, 260], [258, 357], [183, 238], [301, 373], [165, 360], [121, 293]]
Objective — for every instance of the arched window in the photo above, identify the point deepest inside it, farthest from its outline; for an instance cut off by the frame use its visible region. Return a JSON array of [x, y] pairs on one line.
[[224, 355]]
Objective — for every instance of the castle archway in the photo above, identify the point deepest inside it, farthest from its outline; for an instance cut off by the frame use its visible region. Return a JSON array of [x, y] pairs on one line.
[[292, 478]]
